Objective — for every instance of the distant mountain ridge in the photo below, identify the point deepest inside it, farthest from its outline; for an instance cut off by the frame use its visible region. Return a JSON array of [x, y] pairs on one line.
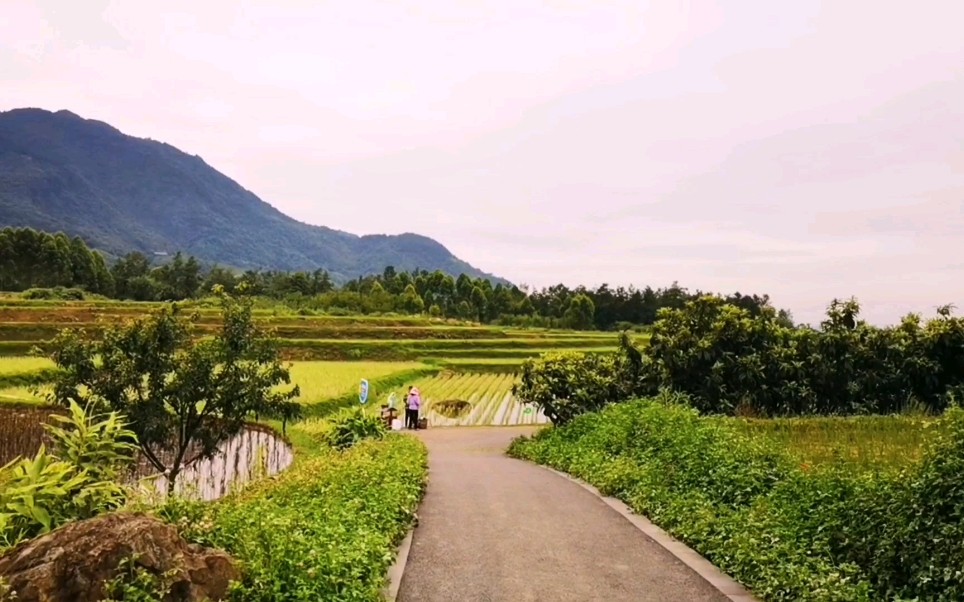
[[61, 172]]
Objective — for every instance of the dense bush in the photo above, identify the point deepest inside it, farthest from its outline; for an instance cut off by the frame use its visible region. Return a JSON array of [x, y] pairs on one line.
[[567, 384], [788, 532], [730, 360], [326, 529]]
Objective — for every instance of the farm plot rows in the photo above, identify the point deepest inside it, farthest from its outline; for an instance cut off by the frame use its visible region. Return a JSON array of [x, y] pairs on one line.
[[478, 399], [26, 325]]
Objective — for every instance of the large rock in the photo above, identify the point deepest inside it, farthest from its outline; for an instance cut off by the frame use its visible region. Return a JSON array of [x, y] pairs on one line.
[[72, 563]]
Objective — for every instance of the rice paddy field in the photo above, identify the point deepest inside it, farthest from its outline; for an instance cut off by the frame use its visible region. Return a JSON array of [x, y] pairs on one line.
[[320, 381], [472, 399], [862, 443], [28, 324], [19, 365]]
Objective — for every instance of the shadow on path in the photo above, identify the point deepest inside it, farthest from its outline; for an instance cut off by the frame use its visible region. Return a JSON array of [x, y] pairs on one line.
[[494, 529]]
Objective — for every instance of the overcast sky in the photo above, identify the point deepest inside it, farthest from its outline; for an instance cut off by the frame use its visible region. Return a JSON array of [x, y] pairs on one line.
[[804, 149]]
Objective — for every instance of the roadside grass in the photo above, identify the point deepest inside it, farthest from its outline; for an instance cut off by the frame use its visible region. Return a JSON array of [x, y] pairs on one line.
[[325, 529]]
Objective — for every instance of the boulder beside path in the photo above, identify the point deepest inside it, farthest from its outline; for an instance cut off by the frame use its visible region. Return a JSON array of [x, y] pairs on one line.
[[73, 563]]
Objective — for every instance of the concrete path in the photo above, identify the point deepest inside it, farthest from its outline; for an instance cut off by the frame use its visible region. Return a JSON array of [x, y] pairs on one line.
[[494, 529]]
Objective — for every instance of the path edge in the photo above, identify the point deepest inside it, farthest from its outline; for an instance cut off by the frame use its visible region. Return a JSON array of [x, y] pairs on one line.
[[397, 570], [722, 582]]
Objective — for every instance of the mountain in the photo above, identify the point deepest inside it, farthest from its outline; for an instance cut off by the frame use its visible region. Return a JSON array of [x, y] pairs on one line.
[[60, 172]]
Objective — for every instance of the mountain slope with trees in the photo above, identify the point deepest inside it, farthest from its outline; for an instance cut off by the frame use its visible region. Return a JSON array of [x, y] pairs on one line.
[[62, 173]]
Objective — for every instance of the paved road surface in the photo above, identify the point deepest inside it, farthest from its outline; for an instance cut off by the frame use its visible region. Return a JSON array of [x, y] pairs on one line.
[[495, 529]]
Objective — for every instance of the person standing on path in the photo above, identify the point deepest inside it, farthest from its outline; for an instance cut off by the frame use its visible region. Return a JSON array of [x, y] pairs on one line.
[[414, 404]]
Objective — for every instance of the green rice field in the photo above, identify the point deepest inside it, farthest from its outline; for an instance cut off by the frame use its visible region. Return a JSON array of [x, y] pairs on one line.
[[860, 442], [479, 399]]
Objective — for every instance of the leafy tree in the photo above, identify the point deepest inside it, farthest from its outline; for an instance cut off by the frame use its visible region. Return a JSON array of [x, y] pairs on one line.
[[130, 268], [180, 279], [478, 302], [580, 313], [411, 302], [183, 397], [219, 277]]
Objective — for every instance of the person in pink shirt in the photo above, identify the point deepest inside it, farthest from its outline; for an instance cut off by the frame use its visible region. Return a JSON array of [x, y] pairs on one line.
[[414, 404]]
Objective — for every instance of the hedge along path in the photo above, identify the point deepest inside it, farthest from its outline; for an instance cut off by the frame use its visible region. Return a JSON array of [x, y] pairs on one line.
[[495, 528]]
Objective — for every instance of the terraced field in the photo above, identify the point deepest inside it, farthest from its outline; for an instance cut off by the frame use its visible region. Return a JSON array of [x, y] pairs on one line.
[[479, 399], [25, 325], [465, 370]]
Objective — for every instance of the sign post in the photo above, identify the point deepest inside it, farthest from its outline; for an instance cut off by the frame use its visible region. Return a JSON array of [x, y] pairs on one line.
[[363, 391]]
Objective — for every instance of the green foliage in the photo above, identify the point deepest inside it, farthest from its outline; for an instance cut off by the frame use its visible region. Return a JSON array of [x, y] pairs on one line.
[[57, 293], [730, 360], [789, 532], [350, 427], [326, 529], [183, 396], [580, 313], [474, 297], [134, 583], [566, 384], [78, 480], [27, 378], [53, 266]]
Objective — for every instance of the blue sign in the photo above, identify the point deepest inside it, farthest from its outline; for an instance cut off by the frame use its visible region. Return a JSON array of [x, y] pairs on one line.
[[363, 391]]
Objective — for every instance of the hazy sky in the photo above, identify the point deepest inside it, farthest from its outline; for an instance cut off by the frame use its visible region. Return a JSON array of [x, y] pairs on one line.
[[804, 149]]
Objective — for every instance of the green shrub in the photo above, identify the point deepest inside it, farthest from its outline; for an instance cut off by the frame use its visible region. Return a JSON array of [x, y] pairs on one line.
[[326, 529], [57, 293], [566, 384], [78, 480], [350, 427]]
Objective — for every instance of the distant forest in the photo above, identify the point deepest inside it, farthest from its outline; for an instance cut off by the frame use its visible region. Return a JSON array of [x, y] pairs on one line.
[[44, 265]]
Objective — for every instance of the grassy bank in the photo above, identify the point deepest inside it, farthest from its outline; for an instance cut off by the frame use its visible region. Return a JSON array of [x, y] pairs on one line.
[[326, 529]]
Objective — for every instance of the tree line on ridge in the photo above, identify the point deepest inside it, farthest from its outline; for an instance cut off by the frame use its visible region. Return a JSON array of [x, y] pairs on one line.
[[44, 265]]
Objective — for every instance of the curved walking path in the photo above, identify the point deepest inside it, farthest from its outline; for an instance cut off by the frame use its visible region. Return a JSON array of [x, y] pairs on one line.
[[493, 529]]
